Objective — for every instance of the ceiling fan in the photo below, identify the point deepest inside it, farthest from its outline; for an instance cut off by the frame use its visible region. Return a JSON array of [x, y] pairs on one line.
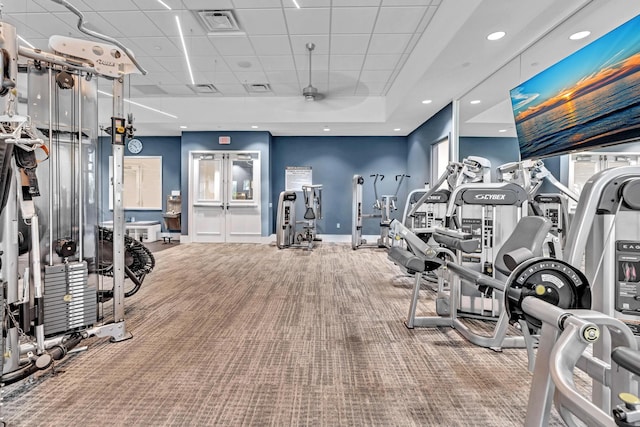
[[311, 93]]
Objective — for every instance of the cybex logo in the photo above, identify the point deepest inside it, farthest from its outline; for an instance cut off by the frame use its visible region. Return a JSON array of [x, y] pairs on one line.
[[489, 196]]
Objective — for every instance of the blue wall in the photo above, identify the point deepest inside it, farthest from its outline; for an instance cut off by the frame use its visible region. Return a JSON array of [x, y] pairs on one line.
[[419, 146], [334, 161], [248, 141], [166, 146]]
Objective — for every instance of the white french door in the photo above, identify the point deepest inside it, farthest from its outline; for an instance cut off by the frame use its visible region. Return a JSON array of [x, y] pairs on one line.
[[224, 190]]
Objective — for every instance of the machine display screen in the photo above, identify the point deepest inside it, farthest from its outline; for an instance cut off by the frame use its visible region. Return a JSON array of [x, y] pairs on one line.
[[589, 99]]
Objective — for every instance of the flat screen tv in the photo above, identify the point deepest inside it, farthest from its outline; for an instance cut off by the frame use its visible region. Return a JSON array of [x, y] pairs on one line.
[[589, 99]]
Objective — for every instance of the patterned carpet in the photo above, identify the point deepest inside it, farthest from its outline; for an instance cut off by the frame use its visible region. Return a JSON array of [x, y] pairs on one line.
[[246, 334]]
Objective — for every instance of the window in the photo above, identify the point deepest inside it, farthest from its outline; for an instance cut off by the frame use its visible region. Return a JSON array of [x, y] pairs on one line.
[[142, 183]]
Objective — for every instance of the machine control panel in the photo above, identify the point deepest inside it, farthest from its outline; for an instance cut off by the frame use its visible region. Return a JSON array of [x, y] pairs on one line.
[[628, 277]]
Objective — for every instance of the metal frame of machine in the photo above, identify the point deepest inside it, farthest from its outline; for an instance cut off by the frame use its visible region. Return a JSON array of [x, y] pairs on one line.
[[287, 235], [29, 302], [382, 208]]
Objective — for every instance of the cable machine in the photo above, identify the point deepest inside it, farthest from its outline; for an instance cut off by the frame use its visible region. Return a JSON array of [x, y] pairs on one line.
[[50, 249]]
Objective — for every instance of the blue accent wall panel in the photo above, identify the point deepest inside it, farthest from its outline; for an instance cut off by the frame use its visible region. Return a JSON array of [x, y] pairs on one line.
[[168, 147], [247, 141], [419, 146], [334, 161]]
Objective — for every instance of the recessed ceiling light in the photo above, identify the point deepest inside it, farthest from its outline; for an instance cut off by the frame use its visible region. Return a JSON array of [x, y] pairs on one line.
[[164, 4], [254, 127], [184, 50], [397, 129], [183, 127], [496, 36], [475, 101], [140, 105], [244, 64], [326, 129], [579, 35], [26, 42], [502, 130], [426, 101], [296, 3]]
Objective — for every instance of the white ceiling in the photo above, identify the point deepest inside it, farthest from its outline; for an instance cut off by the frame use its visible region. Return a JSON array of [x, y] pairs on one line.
[[375, 60]]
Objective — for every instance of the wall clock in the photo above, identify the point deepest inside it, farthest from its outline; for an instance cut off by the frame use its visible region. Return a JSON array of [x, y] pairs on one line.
[[135, 146]]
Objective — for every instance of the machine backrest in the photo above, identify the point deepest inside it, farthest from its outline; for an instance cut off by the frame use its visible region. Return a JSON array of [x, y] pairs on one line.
[[530, 234]]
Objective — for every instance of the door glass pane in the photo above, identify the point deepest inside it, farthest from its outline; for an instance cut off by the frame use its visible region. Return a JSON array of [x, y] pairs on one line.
[[209, 179], [242, 180]]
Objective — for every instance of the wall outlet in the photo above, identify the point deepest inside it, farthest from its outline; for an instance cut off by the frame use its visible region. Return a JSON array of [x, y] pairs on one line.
[[338, 225]]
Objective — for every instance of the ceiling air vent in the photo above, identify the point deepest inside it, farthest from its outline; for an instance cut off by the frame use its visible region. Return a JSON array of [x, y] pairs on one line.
[[204, 89], [257, 87], [218, 21]]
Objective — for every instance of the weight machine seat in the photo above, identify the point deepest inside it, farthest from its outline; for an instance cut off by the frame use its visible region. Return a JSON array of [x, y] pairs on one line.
[[308, 214], [526, 240], [628, 358], [411, 262]]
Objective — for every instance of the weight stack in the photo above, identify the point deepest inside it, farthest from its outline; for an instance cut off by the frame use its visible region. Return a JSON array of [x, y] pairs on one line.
[[69, 304]]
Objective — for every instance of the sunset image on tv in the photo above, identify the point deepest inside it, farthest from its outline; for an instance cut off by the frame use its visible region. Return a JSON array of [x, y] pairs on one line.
[[589, 99]]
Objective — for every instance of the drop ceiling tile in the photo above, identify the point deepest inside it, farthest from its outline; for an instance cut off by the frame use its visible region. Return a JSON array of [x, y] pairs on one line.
[[203, 63], [151, 64], [405, 2], [299, 44], [388, 43], [261, 21], [243, 63], [12, 7], [155, 4], [357, 3], [271, 45], [47, 24], [304, 4], [375, 75], [346, 62], [232, 45], [196, 46], [208, 4], [156, 46], [231, 89], [165, 21], [247, 77], [277, 63], [220, 77], [349, 44], [110, 5], [389, 17], [426, 19], [346, 90], [50, 6], [318, 78], [307, 21], [22, 22], [96, 22], [381, 62], [284, 76], [344, 75], [318, 62], [254, 4], [350, 20], [133, 24], [178, 90], [160, 79], [281, 89]]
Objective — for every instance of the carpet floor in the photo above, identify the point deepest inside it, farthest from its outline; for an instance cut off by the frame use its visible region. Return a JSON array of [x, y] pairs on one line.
[[246, 334]]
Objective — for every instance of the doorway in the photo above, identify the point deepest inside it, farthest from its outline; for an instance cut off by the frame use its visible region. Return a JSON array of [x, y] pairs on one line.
[[224, 194]]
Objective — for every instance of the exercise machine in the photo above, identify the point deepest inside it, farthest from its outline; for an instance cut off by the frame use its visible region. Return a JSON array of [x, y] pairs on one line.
[[471, 169], [288, 233], [383, 208], [528, 237], [534, 290], [50, 251], [530, 175]]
